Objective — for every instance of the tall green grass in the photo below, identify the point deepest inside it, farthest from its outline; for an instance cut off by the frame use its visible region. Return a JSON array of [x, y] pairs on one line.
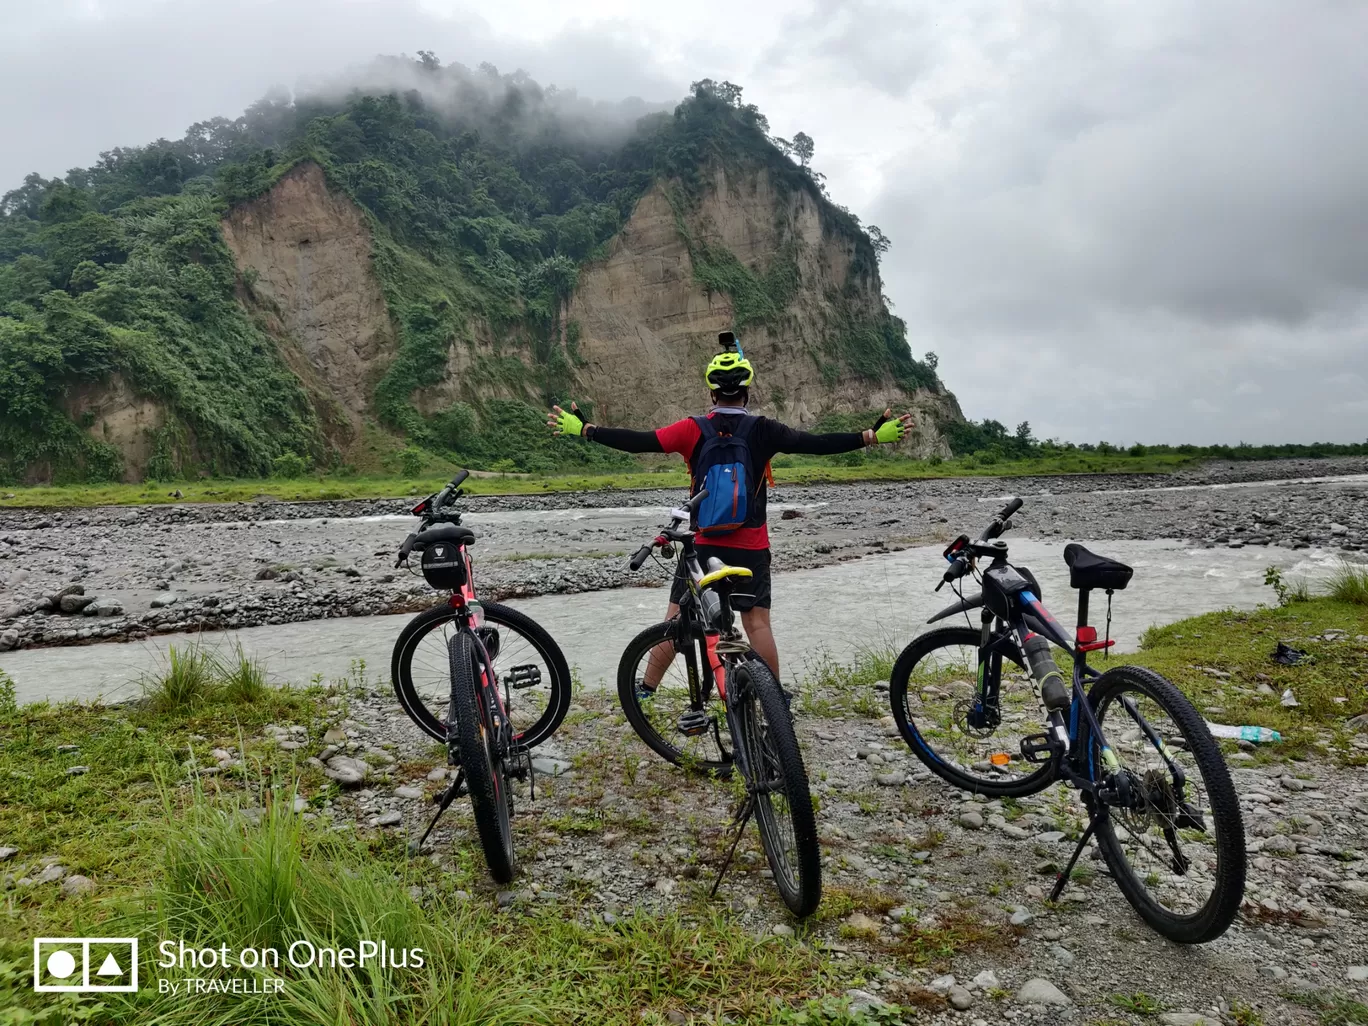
[[194, 677], [1349, 583], [265, 882]]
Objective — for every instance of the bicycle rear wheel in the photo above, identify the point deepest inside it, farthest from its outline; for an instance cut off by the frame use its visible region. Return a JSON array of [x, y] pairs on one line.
[[777, 780], [521, 651], [933, 689], [1177, 853], [482, 757], [663, 720]]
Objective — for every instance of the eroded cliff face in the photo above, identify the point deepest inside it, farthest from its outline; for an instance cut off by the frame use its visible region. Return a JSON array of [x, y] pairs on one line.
[[645, 326], [304, 251], [113, 413], [648, 327]]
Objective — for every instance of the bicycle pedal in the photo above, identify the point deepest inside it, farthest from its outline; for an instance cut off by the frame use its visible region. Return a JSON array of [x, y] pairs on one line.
[[1039, 748], [694, 722], [519, 677]]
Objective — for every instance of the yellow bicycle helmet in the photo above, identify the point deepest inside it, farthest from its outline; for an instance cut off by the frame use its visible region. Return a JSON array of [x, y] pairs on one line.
[[728, 372]]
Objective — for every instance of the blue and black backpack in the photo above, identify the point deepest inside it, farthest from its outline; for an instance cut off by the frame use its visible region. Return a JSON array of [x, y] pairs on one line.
[[722, 464]]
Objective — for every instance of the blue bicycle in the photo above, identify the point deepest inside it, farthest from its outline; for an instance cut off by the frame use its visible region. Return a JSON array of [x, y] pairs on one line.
[[970, 701]]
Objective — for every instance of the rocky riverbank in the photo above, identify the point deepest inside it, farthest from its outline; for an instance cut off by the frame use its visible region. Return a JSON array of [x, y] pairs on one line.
[[120, 573]]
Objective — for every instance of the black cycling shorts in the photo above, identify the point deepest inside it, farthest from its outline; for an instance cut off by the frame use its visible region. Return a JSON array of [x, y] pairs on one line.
[[748, 593]]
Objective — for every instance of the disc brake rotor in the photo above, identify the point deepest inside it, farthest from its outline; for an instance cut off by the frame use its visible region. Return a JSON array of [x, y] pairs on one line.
[[1155, 803], [964, 709]]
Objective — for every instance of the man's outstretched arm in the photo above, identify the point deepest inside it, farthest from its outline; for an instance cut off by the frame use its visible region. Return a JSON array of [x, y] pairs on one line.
[[623, 439], [887, 429]]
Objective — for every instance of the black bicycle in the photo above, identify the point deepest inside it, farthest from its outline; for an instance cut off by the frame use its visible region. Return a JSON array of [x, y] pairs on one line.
[[692, 686], [480, 677], [1158, 794]]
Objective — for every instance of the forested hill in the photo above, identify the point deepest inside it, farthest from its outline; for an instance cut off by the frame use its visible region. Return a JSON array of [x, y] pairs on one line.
[[425, 260]]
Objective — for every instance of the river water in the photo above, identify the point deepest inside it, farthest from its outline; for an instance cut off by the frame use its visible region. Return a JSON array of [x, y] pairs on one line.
[[836, 611]]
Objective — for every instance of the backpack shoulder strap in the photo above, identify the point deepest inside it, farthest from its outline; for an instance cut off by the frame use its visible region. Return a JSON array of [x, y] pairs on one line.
[[706, 428], [745, 427]]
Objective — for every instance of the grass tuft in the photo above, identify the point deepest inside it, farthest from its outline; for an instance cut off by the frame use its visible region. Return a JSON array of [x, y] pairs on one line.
[[191, 680], [242, 678], [1350, 584]]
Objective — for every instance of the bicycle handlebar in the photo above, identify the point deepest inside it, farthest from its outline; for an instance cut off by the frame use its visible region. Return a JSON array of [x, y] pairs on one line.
[[998, 523], [960, 561], [640, 556], [444, 496]]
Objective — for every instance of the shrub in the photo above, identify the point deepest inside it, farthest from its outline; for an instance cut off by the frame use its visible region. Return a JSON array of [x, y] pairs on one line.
[[289, 465], [411, 461]]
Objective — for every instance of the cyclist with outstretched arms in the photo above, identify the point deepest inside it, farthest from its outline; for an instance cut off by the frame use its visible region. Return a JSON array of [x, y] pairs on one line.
[[728, 451]]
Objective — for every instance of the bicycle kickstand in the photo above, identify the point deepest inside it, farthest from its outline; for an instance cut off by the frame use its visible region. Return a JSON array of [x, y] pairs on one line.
[[443, 803], [743, 816], [1063, 878]]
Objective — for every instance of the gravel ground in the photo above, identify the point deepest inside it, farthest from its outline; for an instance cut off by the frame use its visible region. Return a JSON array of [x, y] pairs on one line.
[[120, 573], [616, 831]]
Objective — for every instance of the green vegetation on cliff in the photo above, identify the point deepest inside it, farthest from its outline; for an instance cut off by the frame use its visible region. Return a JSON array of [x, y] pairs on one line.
[[486, 193]]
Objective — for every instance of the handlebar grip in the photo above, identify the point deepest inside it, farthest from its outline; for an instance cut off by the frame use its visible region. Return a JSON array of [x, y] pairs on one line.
[[639, 557], [957, 569], [999, 522], [693, 504], [459, 479], [406, 548]]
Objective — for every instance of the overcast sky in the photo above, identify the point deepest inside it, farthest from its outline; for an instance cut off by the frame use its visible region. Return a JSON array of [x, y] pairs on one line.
[[1130, 221]]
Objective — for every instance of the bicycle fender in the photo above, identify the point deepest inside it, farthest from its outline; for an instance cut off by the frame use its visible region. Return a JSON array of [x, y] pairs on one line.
[[963, 605]]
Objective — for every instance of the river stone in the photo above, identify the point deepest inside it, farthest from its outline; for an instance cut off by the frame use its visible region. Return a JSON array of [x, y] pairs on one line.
[[778, 929], [8, 639], [335, 736], [1280, 844], [106, 607], [408, 792], [971, 821], [76, 885], [393, 818], [960, 999], [347, 771], [861, 1000], [51, 874], [549, 767], [1187, 1019], [165, 598], [8, 853], [1021, 917], [77, 771], [861, 922], [439, 773], [987, 980], [942, 984], [74, 603], [889, 779], [1042, 992], [1358, 973]]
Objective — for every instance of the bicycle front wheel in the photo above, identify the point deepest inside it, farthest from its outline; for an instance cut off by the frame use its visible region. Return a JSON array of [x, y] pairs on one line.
[[933, 690], [482, 757], [523, 654], [680, 722], [777, 780], [1177, 851]]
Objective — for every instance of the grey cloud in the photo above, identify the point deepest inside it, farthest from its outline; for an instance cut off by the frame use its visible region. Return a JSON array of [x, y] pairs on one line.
[[1176, 212], [143, 70]]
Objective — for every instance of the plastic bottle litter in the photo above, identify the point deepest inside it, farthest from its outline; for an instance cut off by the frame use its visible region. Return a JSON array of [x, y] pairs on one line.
[[1259, 735]]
